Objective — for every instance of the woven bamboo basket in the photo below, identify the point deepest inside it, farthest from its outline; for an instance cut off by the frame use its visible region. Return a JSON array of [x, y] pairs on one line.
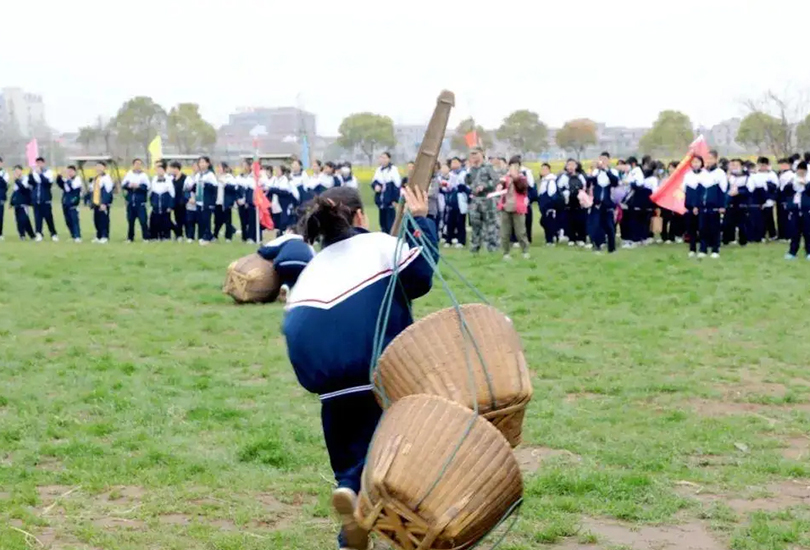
[[431, 356], [252, 279], [479, 485]]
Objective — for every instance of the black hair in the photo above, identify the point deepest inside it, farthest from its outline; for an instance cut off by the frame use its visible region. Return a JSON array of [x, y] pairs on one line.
[[794, 157], [454, 158], [71, 167], [802, 166], [547, 165], [632, 161], [40, 159], [348, 164], [175, 164], [329, 217], [101, 163], [806, 157], [570, 160], [520, 160], [784, 161], [285, 170], [136, 159], [318, 163], [646, 159], [17, 167], [764, 160], [714, 153], [515, 160], [207, 160], [225, 167], [674, 164], [605, 154], [702, 162], [161, 163], [387, 154], [411, 162], [737, 160], [330, 164]]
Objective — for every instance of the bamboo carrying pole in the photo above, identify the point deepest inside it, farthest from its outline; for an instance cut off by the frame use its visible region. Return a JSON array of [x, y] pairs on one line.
[[425, 164]]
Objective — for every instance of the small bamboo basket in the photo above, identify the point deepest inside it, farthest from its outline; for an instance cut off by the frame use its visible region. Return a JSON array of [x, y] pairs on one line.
[[252, 279], [437, 477], [435, 356]]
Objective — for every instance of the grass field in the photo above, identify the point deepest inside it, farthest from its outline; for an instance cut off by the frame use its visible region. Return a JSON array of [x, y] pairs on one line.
[[141, 409]]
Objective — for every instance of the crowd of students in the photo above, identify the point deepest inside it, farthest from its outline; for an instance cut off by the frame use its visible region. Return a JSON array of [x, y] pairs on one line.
[[169, 205], [727, 201]]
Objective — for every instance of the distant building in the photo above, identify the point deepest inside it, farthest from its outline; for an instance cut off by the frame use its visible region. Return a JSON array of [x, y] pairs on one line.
[[22, 110], [723, 136], [276, 121]]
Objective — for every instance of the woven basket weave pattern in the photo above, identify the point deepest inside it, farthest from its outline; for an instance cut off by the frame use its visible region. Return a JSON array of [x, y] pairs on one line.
[[252, 279], [433, 356], [412, 445]]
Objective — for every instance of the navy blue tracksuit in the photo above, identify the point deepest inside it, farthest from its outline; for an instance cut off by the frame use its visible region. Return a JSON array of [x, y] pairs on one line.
[[41, 199], [290, 255], [736, 221], [21, 200], [71, 197], [601, 218], [798, 220], [136, 210], [712, 199], [3, 197]]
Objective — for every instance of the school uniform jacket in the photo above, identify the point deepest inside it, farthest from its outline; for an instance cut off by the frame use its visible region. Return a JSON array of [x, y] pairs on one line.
[[785, 192], [288, 251], [137, 195], [21, 194], [457, 192], [106, 183], [744, 190], [331, 313], [71, 190], [285, 200], [715, 188], [547, 195], [207, 189], [603, 182], [531, 190], [161, 195], [179, 190], [348, 181], [763, 187], [230, 191], [693, 185], [190, 190], [386, 183], [795, 189], [40, 185], [3, 186], [569, 186]]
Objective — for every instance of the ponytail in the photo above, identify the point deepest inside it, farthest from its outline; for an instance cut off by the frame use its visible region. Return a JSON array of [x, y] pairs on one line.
[[329, 217]]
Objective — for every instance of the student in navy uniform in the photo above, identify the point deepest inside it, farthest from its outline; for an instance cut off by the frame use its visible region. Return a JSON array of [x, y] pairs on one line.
[[330, 177], [331, 321], [161, 197], [575, 218], [347, 179], [300, 180], [693, 187], [735, 222], [386, 185], [207, 186], [71, 197], [798, 213], [20, 201], [180, 200], [136, 185], [784, 195], [3, 196], [190, 199], [601, 218], [456, 194], [548, 200], [101, 198], [247, 209], [227, 194], [286, 197], [713, 200], [636, 204], [289, 255], [766, 182], [40, 181], [671, 222]]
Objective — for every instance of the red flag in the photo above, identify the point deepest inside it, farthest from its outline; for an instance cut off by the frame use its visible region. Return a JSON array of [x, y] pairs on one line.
[[472, 139], [260, 200], [671, 194]]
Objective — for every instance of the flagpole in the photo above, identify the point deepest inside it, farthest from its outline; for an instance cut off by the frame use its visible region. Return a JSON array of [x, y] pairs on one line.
[[255, 207]]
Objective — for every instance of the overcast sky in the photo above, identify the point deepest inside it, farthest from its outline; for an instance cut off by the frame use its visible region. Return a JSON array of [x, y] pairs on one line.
[[618, 62]]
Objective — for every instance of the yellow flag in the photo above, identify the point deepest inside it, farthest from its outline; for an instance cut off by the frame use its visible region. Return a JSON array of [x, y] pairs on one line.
[[156, 149]]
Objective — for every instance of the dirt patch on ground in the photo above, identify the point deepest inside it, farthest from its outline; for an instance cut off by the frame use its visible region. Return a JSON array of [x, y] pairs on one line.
[[175, 519], [584, 396], [50, 464], [124, 494], [687, 536], [797, 448], [708, 407], [775, 497], [531, 458], [271, 504], [119, 523]]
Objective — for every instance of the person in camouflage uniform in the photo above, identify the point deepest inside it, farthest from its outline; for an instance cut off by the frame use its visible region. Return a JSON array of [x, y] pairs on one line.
[[482, 179]]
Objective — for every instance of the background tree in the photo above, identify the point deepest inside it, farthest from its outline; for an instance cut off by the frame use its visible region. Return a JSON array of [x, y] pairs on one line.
[[137, 123], [458, 141], [524, 132], [367, 132], [803, 134], [188, 131], [576, 136], [773, 128], [760, 131], [670, 135], [87, 138]]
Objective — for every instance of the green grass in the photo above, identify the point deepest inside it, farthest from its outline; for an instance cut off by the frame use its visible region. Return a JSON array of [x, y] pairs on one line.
[[139, 408]]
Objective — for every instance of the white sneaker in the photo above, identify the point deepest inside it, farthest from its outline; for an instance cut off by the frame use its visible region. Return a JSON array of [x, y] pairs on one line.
[[2, 238], [701, 255], [550, 244], [648, 241], [515, 245], [625, 244], [589, 246], [659, 241], [715, 255], [228, 241], [189, 241], [204, 243], [563, 239], [458, 245], [580, 243], [667, 242], [692, 254], [282, 294], [507, 258], [678, 240], [250, 241], [96, 241], [446, 245], [527, 256], [39, 238], [77, 240], [344, 501], [571, 243], [104, 241], [55, 238], [455, 241]]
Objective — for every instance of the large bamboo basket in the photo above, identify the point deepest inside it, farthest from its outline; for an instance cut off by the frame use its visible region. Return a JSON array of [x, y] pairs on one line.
[[252, 279], [479, 485], [434, 356]]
